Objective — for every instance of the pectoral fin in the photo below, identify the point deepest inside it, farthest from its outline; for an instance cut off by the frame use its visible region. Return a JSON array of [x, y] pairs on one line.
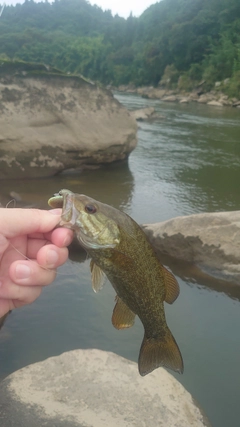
[[122, 316], [172, 286], [98, 276]]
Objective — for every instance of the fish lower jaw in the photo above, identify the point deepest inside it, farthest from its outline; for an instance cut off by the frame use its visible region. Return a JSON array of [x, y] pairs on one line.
[[91, 244]]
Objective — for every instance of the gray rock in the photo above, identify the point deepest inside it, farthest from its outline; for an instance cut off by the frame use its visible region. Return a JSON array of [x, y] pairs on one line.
[[142, 113], [89, 388], [184, 100], [203, 99], [224, 100], [170, 98], [50, 123], [144, 90], [236, 104], [215, 103], [209, 240], [193, 97], [156, 93]]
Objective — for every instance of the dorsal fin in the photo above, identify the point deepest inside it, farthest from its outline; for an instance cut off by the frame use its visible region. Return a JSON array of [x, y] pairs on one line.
[[98, 276], [171, 285], [122, 316]]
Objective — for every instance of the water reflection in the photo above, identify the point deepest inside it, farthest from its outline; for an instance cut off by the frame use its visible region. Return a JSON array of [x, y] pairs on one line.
[[196, 277], [112, 184], [192, 156]]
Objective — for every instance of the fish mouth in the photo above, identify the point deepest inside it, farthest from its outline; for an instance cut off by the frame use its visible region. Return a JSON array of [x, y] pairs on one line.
[[69, 212]]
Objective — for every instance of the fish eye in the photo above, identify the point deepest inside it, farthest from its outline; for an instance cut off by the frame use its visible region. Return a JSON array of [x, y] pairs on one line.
[[91, 209]]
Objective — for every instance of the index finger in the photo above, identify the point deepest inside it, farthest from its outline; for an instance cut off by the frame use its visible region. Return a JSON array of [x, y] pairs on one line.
[[16, 221]]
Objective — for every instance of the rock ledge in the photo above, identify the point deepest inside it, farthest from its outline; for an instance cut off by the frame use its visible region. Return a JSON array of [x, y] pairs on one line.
[[208, 240]]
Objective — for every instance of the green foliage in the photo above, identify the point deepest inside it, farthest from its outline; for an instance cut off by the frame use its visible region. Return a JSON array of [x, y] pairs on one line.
[[233, 87], [190, 39], [223, 58], [170, 76]]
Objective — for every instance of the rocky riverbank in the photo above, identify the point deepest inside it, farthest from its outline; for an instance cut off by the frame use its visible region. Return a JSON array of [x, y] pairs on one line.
[[214, 97]]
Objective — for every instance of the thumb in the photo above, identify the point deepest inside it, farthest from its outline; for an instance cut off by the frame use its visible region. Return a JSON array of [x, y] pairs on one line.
[[3, 245], [15, 221]]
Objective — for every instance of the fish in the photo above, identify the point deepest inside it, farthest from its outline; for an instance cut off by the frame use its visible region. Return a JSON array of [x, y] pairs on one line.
[[120, 250]]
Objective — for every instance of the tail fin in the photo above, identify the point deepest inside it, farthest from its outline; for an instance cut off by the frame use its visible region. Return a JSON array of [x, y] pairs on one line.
[[159, 351]]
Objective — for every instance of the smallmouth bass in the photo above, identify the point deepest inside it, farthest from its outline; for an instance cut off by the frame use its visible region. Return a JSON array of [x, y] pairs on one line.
[[119, 248]]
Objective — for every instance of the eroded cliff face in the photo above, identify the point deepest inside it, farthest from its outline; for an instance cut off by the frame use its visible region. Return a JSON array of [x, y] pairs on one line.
[[52, 122]]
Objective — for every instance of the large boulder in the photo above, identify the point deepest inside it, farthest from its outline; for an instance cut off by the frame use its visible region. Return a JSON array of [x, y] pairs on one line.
[[95, 388], [51, 121], [208, 240]]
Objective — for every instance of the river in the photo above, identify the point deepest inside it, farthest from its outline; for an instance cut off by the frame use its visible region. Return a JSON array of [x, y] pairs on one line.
[[187, 161]]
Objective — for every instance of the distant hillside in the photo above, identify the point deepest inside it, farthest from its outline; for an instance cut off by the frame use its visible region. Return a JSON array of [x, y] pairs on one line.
[[195, 39]]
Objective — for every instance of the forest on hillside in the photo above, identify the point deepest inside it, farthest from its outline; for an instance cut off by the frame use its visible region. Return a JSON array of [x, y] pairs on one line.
[[176, 42]]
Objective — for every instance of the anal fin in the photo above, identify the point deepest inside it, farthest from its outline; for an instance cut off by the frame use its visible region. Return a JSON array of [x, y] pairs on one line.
[[122, 316], [171, 285]]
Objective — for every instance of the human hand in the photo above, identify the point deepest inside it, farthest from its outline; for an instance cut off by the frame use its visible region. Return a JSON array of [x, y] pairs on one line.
[[30, 251]]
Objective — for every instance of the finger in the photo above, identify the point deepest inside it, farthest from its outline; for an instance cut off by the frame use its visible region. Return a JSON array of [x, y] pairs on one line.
[[50, 256], [17, 249], [3, 245], [28, 221], [30, 273], [5, 307], [61, 237], [13, 295], [33, 293], [33, 247]]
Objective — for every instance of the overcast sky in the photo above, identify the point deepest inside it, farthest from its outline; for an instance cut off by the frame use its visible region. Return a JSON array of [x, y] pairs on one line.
[[120, 7]]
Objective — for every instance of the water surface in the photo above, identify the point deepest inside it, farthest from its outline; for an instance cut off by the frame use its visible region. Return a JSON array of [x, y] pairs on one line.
[[187, 161]]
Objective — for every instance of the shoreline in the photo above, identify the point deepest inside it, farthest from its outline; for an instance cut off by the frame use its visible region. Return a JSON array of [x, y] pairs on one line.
[[213, 98]]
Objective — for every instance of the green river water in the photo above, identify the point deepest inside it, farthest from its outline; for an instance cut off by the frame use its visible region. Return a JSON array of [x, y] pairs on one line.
[[187, 161]]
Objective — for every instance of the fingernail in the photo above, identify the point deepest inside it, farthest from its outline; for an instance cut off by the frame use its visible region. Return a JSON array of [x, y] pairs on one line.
[[55, 211], [67, 240], [22, 271], [52, 258]]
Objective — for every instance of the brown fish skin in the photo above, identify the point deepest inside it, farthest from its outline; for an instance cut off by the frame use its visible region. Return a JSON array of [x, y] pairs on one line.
[[119, 247]]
